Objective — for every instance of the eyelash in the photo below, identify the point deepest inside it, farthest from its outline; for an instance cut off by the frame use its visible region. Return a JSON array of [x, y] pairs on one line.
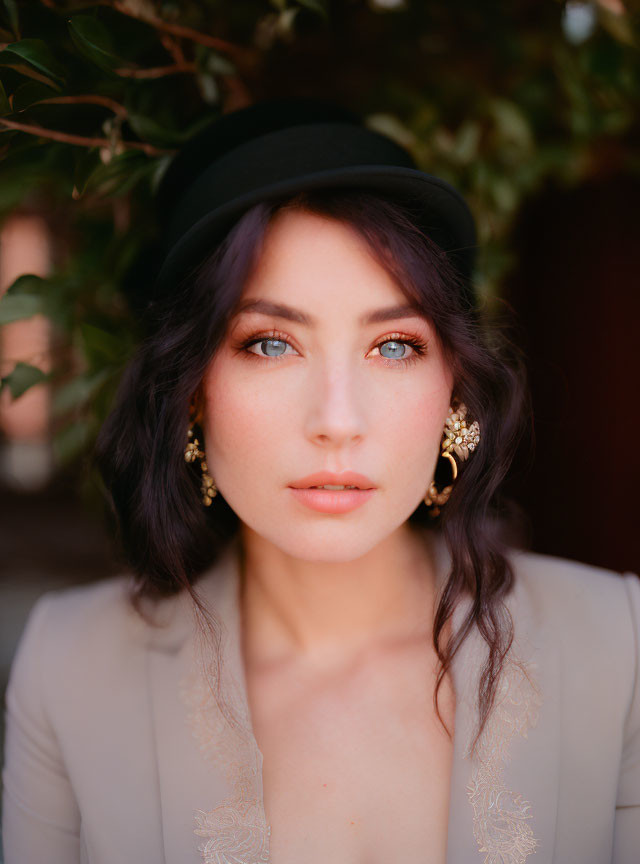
[[419, 347]]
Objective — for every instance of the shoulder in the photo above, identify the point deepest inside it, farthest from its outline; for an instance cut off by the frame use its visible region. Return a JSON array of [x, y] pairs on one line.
[[85, 611], [101, 619], [71, 626], [104, 596], [588, 621], [589, 615], [87, 627], [87, 639], [66, 631], [554, 583]]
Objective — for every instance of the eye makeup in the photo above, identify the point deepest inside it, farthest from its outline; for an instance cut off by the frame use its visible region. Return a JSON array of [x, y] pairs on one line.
[[418, 346]]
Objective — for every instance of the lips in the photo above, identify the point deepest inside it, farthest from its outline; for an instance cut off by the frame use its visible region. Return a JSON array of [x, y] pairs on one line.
[[325, 478]]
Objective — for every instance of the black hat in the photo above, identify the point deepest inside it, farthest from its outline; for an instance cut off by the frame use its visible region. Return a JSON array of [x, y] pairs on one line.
[[279, 147]]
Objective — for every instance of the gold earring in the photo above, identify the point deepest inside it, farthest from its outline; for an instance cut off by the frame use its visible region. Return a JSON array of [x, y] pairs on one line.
[[208, 489], [462, 440]]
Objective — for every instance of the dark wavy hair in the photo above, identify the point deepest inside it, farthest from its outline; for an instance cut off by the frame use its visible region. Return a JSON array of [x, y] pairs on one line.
[[169, 538]]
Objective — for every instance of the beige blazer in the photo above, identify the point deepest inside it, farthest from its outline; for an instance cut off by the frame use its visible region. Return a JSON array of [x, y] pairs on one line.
[[117, 754]]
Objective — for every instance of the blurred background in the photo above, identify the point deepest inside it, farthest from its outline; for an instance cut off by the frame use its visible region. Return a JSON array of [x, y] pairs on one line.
[[529, 108]]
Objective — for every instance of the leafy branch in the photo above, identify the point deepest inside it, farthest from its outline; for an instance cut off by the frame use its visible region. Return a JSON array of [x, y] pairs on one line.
[[79, 140], [95, 97]]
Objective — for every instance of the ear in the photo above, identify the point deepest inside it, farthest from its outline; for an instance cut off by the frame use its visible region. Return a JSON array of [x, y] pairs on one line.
[[456, 398], [196, 406]]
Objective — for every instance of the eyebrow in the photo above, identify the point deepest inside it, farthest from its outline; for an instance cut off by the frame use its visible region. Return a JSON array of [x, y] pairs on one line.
[[280, 310]]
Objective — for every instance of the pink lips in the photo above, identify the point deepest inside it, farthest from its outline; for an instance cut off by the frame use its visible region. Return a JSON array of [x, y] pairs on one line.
[[322, 478], [329, 500]]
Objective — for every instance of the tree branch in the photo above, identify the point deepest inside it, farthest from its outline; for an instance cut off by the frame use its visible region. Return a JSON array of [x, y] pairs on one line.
[[89, 99], [178, 29], [173, 47], [157, 71], [80, 140]]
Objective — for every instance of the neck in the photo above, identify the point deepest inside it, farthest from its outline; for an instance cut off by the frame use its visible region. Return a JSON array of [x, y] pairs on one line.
[[325, 614]]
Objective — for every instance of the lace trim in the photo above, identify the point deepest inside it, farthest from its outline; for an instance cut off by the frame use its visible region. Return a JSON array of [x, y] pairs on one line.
[[236, 829], [499, 815]]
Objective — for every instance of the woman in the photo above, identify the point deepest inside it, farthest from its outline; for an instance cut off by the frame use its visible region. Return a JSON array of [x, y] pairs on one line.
[[297, 674]]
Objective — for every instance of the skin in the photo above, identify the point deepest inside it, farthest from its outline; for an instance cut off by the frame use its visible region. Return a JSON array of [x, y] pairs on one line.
[[322, 590], [336, 610]]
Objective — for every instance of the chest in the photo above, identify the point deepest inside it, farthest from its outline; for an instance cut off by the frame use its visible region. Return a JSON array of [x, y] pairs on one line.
[[357, 766]]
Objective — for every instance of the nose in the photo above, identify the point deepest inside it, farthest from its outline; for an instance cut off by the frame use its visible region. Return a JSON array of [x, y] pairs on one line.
[[335, 405]]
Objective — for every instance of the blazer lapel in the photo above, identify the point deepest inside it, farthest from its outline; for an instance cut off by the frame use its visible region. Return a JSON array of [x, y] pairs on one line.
[[209, 766], [503, 802], [184, 782]]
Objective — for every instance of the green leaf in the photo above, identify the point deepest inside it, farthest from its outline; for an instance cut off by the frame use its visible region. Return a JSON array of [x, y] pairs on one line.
[[86, 162], [29, 93], [286, 20], [17, 307], [5, 108], [21, 378], [92, 39], [209, 60], [120, 174], [208, 87], [100, 345], [12, 13], [70, 441], [11, 61], [77, 392], [161, 166], [512, 123], [467, 141], [619, 26], [38, 54], [149, 129], [317, 6], [28, 283], [505, 194], [199, 123]]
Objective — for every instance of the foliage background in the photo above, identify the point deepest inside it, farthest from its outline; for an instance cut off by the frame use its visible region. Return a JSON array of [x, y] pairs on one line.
[[496, 97], [503, 98]]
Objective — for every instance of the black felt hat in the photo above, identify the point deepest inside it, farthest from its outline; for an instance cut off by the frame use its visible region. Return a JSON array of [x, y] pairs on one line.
[[274, 148]]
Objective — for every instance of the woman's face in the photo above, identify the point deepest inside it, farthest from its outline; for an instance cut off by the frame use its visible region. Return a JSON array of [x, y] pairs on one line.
[[326, 395]]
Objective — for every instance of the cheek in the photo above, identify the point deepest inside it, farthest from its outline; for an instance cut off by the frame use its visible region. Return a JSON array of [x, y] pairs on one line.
[[239, 413], [416, 432], [416, 413], [245, 419]]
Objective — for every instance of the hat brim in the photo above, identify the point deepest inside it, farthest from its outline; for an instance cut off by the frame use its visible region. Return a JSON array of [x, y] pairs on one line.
[[442, 213]]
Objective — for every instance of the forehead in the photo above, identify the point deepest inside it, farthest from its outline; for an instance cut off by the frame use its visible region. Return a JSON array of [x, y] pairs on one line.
[[310, 262]]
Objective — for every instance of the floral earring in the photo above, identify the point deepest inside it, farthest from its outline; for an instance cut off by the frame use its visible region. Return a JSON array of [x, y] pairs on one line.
[[457, 438], [208, 489]]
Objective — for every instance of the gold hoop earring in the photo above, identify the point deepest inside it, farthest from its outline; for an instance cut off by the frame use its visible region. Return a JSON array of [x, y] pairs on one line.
[[462, 440], [208, 488]]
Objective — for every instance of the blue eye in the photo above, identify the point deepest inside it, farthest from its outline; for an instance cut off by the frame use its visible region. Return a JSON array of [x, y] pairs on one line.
[[276, 348], [399, 344]]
